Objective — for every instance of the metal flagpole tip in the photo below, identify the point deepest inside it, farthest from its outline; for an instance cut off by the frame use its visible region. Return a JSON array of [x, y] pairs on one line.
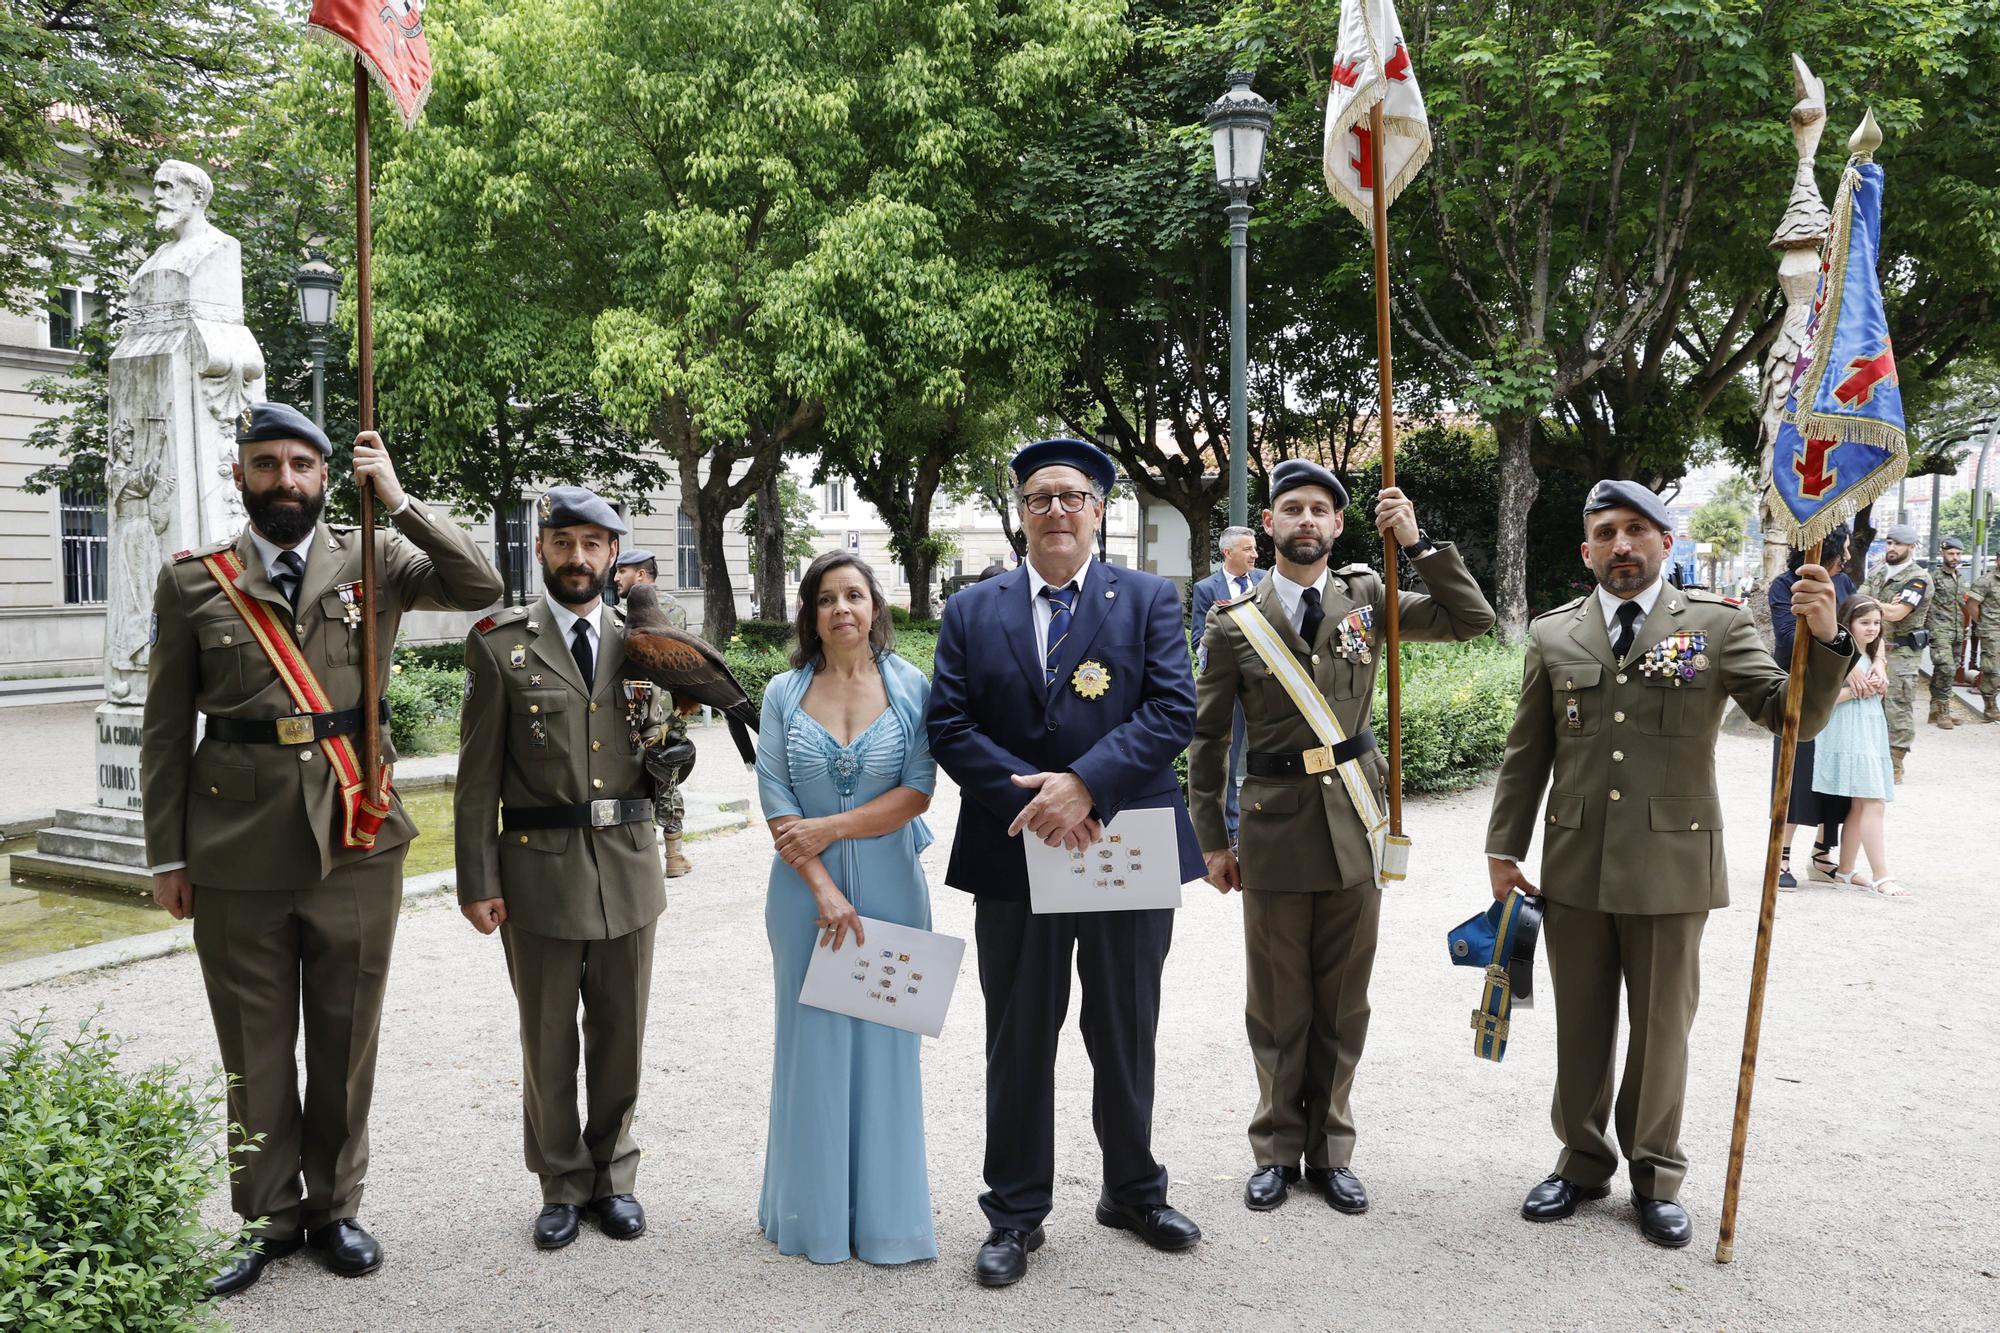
[[1724, 1252], [1867, 137]]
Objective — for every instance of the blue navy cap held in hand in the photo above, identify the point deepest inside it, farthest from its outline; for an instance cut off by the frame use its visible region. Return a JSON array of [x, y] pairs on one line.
[[571, 506], [276, 421], [1088, 459], [1610, 494], [638, 555], [1903, 534], [1296, 472]]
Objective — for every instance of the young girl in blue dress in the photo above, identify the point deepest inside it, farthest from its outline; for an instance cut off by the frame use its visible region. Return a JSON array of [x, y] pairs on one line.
[[1851, 757]]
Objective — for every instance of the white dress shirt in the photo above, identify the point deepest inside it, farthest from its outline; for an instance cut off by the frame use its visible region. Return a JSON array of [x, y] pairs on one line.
[[1608, 603], [268, 552], [1292, 595], [566, 625], [1236, 585], [1044, 612]]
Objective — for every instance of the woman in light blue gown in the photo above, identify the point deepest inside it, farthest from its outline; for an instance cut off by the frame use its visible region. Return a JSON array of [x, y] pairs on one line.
[[844, 775]]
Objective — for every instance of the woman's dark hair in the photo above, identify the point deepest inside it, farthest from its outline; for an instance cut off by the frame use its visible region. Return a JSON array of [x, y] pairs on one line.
[[1857, 606], [1834, 547], [806, 647]]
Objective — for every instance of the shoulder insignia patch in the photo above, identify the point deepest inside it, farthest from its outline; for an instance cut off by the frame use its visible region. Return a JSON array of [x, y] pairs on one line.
[[510, 616], [486, 624], [1570, 605], [1359, 567], [181, 555]]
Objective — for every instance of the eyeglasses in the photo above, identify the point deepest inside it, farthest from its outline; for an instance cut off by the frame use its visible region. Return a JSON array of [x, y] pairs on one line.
[[1040, 502]]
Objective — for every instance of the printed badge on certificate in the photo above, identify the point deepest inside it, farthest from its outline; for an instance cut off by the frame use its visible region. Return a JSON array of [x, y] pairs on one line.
[[1135, 865]]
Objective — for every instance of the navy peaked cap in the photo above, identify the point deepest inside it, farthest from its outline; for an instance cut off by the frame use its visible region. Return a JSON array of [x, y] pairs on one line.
[[276, 421], [571, 506], [1610, 494], [1088, 459], [1296, 472]]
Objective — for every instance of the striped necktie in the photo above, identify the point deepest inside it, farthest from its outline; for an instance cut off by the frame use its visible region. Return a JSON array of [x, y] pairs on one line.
[[1062, 608]]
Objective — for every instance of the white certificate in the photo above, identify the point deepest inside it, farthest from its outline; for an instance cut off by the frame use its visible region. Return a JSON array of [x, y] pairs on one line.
[[901, 978], [1135, 865]]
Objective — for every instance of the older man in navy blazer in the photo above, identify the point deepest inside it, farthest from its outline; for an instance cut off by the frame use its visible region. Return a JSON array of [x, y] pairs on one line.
[[1061, 696], [1237, 578]]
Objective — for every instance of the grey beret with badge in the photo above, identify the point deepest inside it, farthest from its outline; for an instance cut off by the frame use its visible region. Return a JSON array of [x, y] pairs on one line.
[[1903, 534], [1614, 494], [638, 555], [277, 421], [1951, 544], [1296, 472], [573, 506]]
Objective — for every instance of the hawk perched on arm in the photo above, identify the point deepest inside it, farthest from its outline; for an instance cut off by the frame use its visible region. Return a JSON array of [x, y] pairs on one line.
[[686, 666]]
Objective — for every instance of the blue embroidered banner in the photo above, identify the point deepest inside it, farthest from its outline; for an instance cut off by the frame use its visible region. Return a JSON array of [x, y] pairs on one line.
[[1840, 438]]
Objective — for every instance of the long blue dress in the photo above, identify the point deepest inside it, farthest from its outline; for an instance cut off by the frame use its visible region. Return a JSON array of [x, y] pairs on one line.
[[844, 1170]]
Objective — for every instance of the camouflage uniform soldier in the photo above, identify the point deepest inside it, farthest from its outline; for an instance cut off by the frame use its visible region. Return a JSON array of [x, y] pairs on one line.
[[636, 566], [1985, 627], [1904, 588], [1946, 625]]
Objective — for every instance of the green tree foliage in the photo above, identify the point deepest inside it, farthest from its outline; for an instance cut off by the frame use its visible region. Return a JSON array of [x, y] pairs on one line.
[[1955, 520], [1723, 521]]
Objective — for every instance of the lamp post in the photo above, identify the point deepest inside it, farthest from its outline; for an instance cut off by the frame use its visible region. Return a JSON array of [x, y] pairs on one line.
[[319, 289], [1238, 123]]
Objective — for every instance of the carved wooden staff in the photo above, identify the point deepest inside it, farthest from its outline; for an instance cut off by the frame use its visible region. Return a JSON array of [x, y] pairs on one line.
[[1392, 664], [1767, 920], [364, 332]]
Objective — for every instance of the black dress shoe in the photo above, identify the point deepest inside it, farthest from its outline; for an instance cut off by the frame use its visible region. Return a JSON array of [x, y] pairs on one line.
[[1159, 1226], [1663, 1222], [1003, 1259], [347, 1249], [555, 1225], [248, 1265], [1268, 1187], [619, 1216], [1556, 1198], [1340, 1187]]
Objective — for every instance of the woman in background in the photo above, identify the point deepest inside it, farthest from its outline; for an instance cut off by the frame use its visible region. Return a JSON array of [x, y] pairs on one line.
[[844, 774], [1852, 757]]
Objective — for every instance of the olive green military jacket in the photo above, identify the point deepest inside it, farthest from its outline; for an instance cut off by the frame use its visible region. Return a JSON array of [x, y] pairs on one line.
[[243, 816], [1986, 597], [1912, 587], [1947, 604], [1302, 834], [531, 735], [1633, 821]]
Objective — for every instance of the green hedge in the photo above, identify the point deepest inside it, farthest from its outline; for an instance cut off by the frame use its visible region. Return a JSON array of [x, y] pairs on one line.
[[1458, 701], [102, 1174], [423, 707]]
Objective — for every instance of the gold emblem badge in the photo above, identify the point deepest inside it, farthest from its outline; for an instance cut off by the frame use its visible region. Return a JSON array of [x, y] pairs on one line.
[[1091, 680], [244, 420], [517, 656], [548, 509]]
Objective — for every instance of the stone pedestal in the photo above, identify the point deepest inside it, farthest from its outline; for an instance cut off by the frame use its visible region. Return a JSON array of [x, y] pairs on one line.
[[104, 843]]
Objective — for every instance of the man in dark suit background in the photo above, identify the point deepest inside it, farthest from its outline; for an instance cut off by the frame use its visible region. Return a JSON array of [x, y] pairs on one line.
[[1235, 579], [1062, 696]]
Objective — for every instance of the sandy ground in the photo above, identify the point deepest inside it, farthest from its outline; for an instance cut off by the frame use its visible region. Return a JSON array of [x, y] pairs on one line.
[[1871, 1199]]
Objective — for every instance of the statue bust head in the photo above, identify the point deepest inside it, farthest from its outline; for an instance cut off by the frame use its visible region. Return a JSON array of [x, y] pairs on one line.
[[181, 191]]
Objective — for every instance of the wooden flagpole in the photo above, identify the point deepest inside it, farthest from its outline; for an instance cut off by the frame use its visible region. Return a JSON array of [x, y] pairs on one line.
[[1767, 918], [364, 332], [1392, 664]]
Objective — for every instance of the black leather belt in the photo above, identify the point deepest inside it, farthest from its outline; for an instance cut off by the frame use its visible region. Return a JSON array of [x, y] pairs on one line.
[[588, 814], [298, 729], [1914, 639], [1260, 764]]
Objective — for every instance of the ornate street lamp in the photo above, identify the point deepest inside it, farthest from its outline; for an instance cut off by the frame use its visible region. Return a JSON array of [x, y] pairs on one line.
[[318, 286], [1238, 123]]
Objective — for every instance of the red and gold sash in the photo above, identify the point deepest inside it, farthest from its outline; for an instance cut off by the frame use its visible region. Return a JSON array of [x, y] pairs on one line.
[[361, 819]]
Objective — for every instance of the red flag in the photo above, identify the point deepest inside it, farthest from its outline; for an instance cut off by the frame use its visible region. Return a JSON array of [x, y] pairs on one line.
[[387, 36]]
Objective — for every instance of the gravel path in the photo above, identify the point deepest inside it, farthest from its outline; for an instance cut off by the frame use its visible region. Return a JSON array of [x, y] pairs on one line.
[[1870, 1198]]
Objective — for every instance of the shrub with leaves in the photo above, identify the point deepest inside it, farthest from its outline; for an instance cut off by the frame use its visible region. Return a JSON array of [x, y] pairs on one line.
[[102, 1174]]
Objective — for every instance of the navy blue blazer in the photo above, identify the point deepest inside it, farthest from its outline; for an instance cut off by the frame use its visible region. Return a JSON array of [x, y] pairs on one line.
[[1215, 588], [990, 717]]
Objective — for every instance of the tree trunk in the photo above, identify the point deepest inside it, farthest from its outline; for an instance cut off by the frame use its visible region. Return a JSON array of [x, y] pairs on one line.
[[1518, 487], [922, 562], [1199, 515], [711, 517], [770, 549]]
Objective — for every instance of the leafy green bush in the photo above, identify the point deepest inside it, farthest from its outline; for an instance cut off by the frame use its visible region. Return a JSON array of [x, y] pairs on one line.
[[760, 633], [439, 656], [423, 708], [1458, 701], [102, 1173]]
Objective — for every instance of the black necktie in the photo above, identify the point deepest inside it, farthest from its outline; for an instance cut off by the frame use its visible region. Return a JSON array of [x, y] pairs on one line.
[[1628, 627], [292, 573], [1314, 615], [579, 648]]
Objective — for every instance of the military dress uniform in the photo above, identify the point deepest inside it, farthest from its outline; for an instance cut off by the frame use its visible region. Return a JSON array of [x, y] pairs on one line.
[[1946, 624], [1632, 848], [291, 924], [1311, 899], [1909, 584], [554, 813], [1985, 628]]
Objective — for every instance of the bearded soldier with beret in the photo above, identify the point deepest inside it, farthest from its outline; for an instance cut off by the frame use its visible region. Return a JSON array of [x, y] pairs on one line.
[[264, 834], [1621, 703], [1312, 897]]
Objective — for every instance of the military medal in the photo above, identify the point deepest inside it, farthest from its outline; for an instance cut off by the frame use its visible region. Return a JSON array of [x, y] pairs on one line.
[[1570, 711], [517, 656], [350, 596], [1091, 680], [538, 734]]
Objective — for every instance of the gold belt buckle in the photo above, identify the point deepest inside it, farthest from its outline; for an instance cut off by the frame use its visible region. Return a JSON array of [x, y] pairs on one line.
[[296, 730], [1319, 759]]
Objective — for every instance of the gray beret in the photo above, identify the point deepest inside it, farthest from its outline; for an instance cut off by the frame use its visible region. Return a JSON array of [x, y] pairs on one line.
[[571, 506], [1903, 534], [638, 555], [1088, 459], [1611, 494], [276, 421], [1951, 544], [1296, 472]]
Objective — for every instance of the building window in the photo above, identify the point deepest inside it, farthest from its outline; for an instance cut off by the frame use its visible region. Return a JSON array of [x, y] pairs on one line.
[[519, 541], [836, 496], [85, 532], [687, 552], [65, 319]]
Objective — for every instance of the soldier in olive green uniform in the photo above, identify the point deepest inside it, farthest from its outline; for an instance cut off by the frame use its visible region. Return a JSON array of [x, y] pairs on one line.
[[1904, 588], [1311, 896], [572, 876], [1946, 624], [248, 833], [634, 567], [1621, 702], [1985, 628]]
